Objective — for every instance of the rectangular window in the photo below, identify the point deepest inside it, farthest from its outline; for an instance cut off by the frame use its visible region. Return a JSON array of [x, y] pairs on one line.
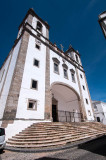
[[37, 46], [56, 68], [86, 100], [32, 104], [34, 84], [77, 59], [83, 87], [81, 75], [65, 73], [89, 112], [73, 77], [36, 63], [39, 26]]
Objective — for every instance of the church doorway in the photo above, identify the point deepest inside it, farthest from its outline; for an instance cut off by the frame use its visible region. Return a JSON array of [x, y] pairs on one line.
[[54, 110], [65, 104]]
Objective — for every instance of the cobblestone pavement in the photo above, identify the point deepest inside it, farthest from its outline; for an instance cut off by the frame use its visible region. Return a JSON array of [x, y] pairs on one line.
[[95, 150]]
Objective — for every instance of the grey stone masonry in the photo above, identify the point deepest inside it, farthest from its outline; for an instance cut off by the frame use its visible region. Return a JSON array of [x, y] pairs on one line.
[[13, 96], [48, 98], [82, 107]]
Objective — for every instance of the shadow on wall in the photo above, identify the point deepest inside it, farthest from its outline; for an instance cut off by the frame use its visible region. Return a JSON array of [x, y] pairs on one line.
[[97, 146]]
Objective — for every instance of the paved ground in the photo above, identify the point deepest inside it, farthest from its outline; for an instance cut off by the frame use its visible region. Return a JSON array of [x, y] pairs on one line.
[[95, 150]]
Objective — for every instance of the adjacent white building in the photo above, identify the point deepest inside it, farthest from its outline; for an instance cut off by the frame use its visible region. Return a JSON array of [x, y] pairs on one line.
[[102, 22], [40, 82], [99, 111]]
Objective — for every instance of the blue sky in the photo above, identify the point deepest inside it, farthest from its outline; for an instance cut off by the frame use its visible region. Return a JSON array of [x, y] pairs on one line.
[[72, 22]]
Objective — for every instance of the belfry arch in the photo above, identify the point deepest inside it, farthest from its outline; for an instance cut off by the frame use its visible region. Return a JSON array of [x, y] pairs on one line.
[[65, 103]]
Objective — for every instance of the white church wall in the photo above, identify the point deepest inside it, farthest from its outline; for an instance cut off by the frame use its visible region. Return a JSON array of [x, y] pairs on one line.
[[36, 73], [9, 68], [60, 77], [34, 24], [85, 96], [18, 126]]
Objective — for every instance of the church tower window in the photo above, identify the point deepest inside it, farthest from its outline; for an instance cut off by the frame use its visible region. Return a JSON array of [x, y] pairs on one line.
[[77, 58], [39, 26]]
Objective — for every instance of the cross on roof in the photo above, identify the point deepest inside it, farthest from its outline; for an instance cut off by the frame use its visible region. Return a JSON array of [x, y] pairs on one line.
[[61, 47]]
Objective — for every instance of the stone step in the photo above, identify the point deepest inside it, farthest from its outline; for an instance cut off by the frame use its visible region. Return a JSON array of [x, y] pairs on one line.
[[53, 134], [48, 138], [47, 145], [49, 141]]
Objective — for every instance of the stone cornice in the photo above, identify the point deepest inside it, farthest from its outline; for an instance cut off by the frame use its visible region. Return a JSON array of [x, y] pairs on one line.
[[31, 11]]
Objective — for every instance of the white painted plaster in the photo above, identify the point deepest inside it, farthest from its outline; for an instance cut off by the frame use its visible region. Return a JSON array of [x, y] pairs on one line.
[[18, 126], [85, 96], [9, 69], [60, 77], [36, 73]]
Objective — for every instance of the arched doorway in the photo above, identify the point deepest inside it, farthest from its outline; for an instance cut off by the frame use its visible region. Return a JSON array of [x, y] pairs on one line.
[[65, 103]]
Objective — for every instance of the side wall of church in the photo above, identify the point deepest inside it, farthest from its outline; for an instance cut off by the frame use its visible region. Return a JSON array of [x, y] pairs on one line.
[[6, 74]]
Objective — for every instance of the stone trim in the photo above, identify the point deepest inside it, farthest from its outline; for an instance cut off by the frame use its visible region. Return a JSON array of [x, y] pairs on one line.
[[56, 60], [65, 66], [82, 106], [13, 96], [48, 97], [31, 12]]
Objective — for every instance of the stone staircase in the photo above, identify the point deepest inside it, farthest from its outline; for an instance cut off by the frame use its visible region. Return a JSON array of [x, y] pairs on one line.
[[40, 135]]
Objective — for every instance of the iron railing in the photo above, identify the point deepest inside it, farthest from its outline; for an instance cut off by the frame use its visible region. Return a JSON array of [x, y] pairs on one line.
[[66, 116]]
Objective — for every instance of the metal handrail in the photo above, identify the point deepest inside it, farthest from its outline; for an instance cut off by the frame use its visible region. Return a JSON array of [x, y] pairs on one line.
[[66, 116]]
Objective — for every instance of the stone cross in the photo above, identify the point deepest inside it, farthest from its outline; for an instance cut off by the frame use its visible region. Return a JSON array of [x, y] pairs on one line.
[[61, 47]]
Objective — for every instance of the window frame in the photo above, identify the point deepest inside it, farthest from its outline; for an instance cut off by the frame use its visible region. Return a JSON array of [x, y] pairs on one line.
[[36, 85], [83, 87], [86, 101], [34, 62], [38, 46], [33, 101], [40, 26], [81, 76], [54, 67], [66, 72], [77, 58]]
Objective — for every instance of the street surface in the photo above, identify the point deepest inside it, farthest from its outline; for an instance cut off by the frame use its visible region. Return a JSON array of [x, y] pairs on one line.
[[95, 150]]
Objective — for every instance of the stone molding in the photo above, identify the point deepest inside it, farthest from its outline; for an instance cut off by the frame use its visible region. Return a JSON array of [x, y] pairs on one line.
[[82, 106], [48, 95], [13, 96]]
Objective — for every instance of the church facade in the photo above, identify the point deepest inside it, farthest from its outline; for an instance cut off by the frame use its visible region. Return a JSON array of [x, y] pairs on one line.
[[39, 82]]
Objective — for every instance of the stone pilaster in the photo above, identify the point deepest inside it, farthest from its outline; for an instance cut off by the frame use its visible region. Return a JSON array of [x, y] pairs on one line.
[[48, 97], [13, 96], [81, 102]]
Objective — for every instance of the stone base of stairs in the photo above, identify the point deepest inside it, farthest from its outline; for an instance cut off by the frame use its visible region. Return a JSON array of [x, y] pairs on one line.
[[52, 149], [54, 135]]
